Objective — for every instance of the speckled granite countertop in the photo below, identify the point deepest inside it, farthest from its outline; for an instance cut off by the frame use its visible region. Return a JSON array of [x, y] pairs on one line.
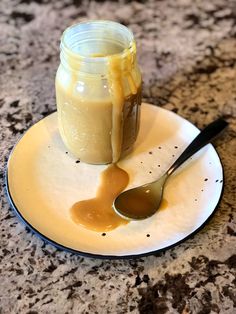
[[187, 52]]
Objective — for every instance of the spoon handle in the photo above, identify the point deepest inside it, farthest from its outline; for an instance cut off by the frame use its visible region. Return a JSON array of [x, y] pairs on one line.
[[203, 138]]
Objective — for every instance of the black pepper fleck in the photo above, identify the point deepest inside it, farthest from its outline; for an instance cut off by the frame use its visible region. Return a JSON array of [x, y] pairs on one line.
[[159, 165], [150, 172], [77, 161], [103, 234], [205, 179], [148, 235], [159, 147], [150, 153], [66, 152], [176, 147]]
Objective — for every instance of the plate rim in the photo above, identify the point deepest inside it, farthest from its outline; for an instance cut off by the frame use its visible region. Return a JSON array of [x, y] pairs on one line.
[[61, 247]]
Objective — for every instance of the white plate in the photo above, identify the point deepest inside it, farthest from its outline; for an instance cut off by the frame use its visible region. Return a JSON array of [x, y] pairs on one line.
[[44, 181]]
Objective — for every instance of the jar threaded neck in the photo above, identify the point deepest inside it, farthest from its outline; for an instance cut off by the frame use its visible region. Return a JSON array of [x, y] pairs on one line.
[[87, 47]]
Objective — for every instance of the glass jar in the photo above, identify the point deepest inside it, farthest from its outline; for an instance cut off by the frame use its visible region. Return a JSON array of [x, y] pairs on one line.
[[98, 91]]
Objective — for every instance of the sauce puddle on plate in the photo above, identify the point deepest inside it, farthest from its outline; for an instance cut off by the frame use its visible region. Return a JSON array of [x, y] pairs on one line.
[[164, 204], [97, 213]]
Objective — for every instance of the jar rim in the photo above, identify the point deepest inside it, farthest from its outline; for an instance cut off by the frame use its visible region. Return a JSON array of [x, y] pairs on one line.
[[111, 24]]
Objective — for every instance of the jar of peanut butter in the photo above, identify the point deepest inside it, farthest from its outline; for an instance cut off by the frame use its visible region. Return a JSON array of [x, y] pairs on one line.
[[98, 91]]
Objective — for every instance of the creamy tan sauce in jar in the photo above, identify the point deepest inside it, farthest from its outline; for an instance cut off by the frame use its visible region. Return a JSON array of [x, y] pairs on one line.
[[98, 91]]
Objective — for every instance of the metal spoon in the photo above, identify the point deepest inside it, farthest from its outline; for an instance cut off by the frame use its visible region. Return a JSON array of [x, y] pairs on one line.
[[142, 202]]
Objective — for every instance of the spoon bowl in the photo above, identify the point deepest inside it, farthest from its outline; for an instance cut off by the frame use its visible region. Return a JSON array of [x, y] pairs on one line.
[[143, 201]]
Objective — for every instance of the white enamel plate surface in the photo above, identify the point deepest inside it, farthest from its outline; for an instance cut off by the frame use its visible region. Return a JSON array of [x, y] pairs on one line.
[[44, 181]]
